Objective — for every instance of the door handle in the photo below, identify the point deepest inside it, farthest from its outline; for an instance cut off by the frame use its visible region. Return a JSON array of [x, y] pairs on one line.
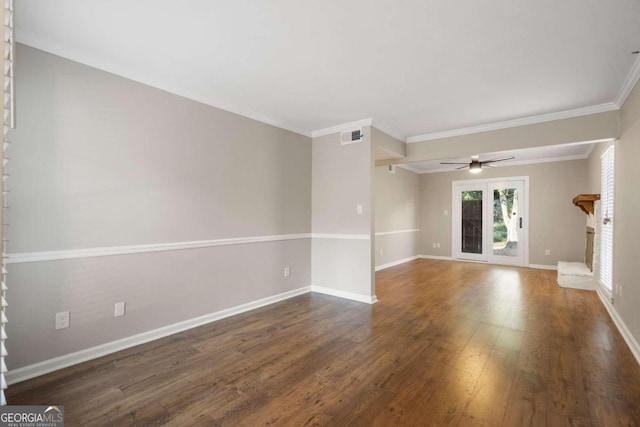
[[520, 222]]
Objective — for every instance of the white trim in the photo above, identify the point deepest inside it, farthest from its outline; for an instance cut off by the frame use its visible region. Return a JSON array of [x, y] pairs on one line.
[[473, 261], [384, 128], [409, 168], [444, 258], [629, 83], [384, 233], [369, 299], [594, 109], [41, 368], [548, 159], [22, 257], [622, 327], [49, 45], [590, 149], [394, 263], [341, 236], [341, 128], [543, 266]]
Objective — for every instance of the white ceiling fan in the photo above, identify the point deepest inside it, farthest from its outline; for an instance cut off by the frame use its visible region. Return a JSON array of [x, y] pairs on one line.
[[475, 166]]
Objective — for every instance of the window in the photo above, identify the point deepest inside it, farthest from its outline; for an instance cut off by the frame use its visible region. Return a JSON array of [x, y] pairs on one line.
[[606, 214]]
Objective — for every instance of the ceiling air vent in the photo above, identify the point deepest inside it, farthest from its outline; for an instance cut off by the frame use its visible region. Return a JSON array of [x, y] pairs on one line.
[[349, 137]]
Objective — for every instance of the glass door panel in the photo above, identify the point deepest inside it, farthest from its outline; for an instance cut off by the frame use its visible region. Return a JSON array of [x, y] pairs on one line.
[[471, 222], [507, 222]]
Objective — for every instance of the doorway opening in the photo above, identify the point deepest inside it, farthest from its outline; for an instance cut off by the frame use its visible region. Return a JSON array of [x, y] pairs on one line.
[[490, 220]]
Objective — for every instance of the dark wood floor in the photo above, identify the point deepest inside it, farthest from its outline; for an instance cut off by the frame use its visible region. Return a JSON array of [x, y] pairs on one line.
[[448, 344]]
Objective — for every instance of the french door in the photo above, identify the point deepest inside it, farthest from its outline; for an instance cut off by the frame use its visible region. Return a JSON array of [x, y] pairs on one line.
[[490, 222]]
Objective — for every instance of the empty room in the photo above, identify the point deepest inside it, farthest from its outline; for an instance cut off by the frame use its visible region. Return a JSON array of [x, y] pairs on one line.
[[320, 213]]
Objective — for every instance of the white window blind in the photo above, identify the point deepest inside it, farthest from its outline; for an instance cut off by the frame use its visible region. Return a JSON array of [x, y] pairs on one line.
[[8, 122], [606, 213]]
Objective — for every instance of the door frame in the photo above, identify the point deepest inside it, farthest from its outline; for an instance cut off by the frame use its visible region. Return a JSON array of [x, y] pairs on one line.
[[488, 242], [456, 217]]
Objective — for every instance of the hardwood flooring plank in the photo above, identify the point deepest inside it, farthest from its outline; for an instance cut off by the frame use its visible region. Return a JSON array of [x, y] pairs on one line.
[[449, 343]]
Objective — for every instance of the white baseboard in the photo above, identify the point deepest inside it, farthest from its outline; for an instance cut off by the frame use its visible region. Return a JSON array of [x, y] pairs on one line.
[[394, 263], [345, 294], [543, 266], [41, 368], [446, 258], [622, 327]]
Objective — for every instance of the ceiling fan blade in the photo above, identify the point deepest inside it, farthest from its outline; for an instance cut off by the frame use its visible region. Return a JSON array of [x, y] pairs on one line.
[[454, 163], [489, 166], [498, 160], [462, 167]]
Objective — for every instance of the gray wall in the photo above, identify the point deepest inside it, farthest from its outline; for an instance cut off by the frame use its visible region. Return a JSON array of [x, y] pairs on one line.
[[101, 161], [397, 207], [555, 223], [113, 162], [626, 213], [386, 146], [342, 179], [594, 167]]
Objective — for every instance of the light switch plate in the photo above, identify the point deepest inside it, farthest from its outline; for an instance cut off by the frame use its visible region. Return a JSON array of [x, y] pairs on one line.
[[119, 309]]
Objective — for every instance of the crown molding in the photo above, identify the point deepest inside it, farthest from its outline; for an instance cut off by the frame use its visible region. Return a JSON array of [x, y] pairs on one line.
[[88, 59], [51, 46], [342, 127], [629, 83], [594, 109]]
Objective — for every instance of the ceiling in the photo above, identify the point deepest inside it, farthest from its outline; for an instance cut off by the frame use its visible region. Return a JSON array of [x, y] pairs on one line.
[[549, 153], [415, 67]]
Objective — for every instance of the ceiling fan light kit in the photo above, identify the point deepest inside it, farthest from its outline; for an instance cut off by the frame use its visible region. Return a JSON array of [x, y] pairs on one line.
[[475, 167]]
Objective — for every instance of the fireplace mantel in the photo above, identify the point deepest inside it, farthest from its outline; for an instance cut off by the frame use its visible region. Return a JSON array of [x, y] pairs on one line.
[[585, 202]]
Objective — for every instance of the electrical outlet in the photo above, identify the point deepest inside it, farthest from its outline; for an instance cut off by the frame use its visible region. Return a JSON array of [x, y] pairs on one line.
[[62, 320], [434, 245], [119, 309], [446, 212], [547, 252], [287, 271], [380, 252], [437, 245], [359, 209]]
